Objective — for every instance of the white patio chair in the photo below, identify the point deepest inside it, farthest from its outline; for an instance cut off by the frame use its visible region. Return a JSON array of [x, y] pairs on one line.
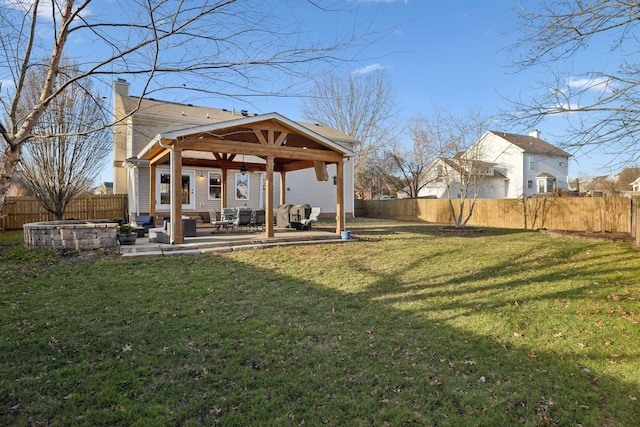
[[313, 218]]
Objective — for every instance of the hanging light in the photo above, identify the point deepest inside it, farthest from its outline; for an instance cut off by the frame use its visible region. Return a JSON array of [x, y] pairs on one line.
[[243, 168]]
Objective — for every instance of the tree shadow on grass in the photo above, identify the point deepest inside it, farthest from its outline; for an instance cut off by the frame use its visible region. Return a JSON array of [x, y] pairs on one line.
[[242, 340]]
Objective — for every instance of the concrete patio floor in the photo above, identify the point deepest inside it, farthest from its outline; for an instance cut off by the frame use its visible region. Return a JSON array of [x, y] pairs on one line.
[[208, 242]]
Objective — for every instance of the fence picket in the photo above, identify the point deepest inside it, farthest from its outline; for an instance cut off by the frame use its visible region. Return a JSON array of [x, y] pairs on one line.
[[562, 213], [22, 210]]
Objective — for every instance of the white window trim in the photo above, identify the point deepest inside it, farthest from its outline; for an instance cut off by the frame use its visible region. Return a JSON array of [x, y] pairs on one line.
[[219, 173], [192, 183]]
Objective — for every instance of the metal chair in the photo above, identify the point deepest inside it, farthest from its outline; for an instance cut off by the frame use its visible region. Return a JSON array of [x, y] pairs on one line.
[[313, 218], [220, 224], [243, 219], [257, 218]]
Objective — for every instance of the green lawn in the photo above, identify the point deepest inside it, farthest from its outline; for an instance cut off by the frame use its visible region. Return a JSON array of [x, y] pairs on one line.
[[403, 326]]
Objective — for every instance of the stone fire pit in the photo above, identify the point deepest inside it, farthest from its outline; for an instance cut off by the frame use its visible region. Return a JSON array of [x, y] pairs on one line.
[[70, 234]]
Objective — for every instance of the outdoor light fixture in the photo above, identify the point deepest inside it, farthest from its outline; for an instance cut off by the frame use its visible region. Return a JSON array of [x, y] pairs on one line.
[[243, 168]]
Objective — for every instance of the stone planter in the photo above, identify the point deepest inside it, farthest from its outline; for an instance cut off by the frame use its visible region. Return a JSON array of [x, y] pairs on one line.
[[127, 239]]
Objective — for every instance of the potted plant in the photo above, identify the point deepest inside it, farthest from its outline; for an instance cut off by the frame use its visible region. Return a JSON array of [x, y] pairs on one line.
[[127, 234]]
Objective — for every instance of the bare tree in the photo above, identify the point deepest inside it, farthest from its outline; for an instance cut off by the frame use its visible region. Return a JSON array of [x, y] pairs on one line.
[[459, 164], [364, 106], [57, 168], [601, 103], [225, 48], [411, 163]]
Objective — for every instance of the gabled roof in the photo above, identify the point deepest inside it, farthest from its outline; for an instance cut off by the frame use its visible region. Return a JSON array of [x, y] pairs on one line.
[[532, 145], [194, 117], [456, 165], [239, 122]]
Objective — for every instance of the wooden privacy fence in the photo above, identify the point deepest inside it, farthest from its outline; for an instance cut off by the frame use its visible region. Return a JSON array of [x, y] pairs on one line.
[[23, 210], [615, 214]]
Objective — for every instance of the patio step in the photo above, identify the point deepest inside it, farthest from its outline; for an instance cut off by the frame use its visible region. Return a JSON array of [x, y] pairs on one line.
[[196, 248]]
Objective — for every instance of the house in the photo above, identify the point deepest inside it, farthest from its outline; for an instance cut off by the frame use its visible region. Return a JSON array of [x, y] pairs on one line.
[[500, 165], [225, 158], [103, 188]]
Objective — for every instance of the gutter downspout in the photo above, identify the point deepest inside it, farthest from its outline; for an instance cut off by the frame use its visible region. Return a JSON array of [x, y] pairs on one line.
[[172, 205], [132, 165]]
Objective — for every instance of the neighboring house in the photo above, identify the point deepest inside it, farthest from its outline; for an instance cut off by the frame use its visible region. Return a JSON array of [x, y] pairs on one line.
[[504, 165], [635, 185], [309, 162], [103, 188]]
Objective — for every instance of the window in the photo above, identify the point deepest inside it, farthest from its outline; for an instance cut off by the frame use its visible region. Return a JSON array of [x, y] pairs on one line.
[[215, 185], [530, 183], [532, 162], [546, 185], [542, 188]]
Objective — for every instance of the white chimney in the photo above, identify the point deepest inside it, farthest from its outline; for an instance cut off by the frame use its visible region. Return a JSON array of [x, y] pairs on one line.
[[535, 133]]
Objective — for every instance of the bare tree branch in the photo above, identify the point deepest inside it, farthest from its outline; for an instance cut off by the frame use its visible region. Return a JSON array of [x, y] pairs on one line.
[[600, 104], [363, 106], [209, 47], [57, 168]]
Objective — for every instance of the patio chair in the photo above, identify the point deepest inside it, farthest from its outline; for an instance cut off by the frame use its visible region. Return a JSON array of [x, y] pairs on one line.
[[313, 218], [257, 218], [219, 224], [243, 219], [229, 214]]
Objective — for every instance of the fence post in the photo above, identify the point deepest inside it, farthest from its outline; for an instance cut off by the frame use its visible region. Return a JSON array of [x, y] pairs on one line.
[[635, 219]]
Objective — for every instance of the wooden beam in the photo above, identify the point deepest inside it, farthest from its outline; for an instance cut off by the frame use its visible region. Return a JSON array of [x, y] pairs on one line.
[[294, 166], [321, 171], [233, 147], [281, 138], [160, 158], [260, 136]]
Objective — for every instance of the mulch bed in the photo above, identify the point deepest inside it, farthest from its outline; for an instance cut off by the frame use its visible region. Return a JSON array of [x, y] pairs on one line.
[[600, 235]]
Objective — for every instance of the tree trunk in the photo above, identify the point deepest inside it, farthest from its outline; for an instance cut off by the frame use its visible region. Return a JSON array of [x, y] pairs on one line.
[[10, 159]]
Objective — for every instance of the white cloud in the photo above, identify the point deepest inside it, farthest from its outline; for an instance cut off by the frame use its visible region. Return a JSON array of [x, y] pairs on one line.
[[600, 84], [45, 8], [368, 69]]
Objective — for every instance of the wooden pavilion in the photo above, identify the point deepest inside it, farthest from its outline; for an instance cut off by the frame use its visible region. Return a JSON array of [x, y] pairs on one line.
[[280, 144]]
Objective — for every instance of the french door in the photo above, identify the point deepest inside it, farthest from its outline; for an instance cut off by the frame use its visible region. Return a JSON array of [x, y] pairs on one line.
[[163, 189]]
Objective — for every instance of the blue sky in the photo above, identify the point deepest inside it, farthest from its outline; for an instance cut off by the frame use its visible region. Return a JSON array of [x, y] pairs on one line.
[[444, 53]]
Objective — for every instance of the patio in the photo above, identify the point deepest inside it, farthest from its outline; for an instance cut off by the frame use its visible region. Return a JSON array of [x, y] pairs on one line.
[[207, 242]]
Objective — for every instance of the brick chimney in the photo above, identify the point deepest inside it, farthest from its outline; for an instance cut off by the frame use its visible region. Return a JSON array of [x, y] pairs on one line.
[[121, 87]]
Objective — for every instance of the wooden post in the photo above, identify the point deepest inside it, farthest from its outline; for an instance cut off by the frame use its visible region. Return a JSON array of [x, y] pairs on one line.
[[152, 192], [223, 190], [283, 187], [268, 202], [340, 226], [176, 177]]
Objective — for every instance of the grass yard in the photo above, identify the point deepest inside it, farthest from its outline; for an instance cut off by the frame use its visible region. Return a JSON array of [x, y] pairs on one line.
[[404, 326]]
